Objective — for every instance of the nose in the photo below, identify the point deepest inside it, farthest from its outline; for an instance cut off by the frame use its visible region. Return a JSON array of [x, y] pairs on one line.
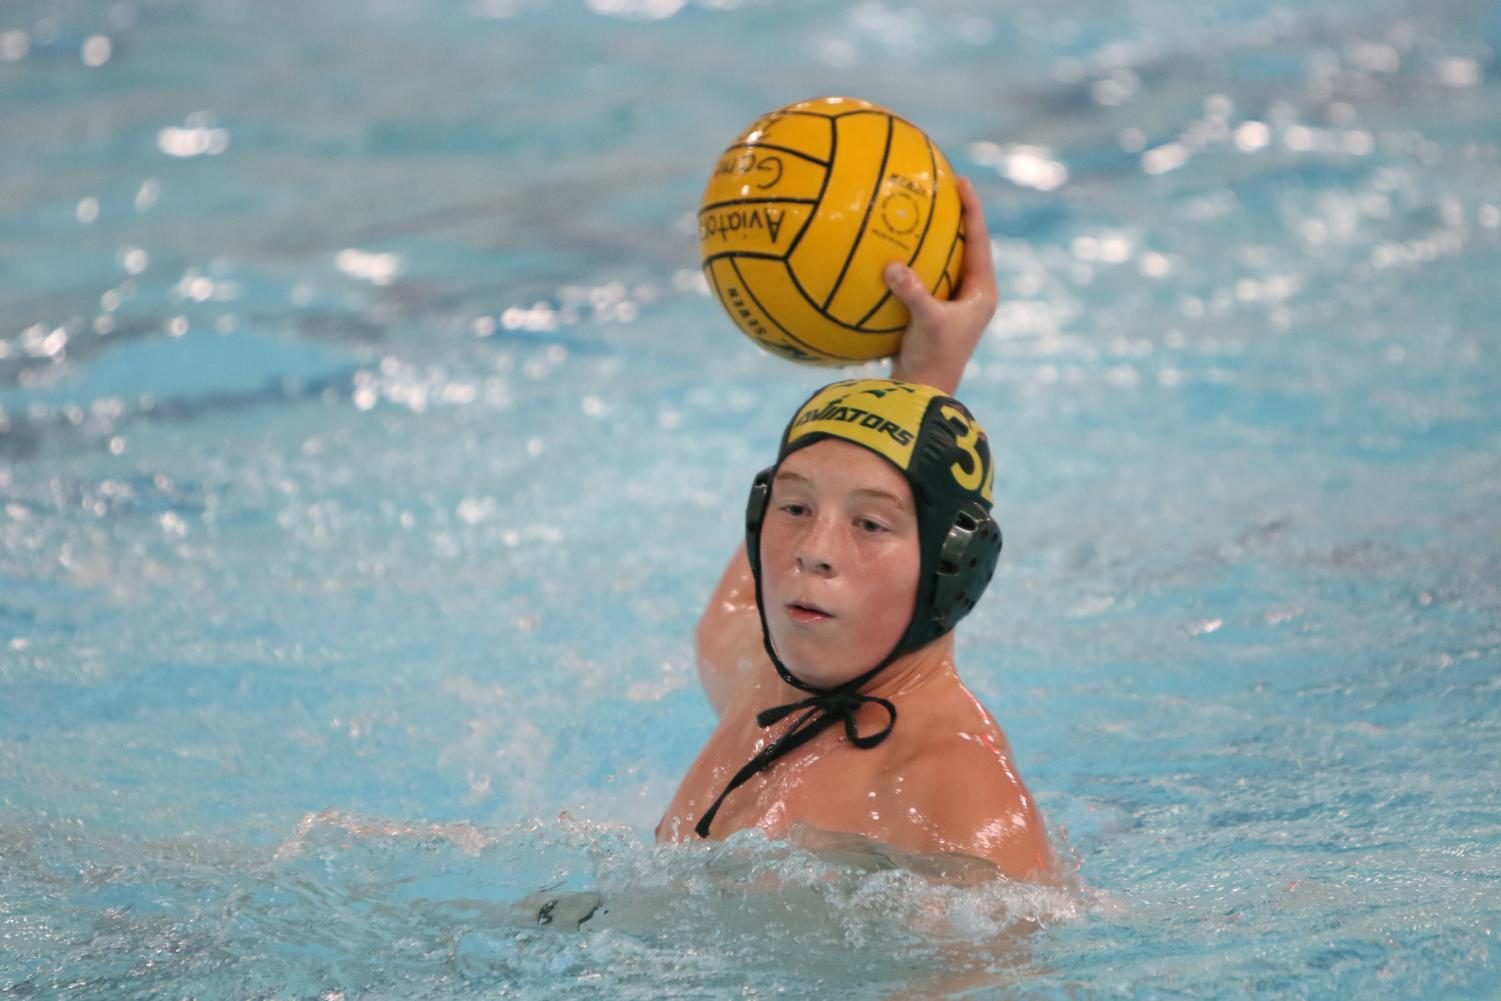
[[815, 549]]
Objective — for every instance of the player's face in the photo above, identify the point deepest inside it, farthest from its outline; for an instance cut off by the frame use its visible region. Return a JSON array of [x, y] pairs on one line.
[[840, 560]]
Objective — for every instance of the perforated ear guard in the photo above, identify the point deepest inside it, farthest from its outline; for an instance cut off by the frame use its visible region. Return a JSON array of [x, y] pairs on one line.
[[966, 562]]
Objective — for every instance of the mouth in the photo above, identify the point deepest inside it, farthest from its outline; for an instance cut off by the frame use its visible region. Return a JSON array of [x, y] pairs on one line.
[[805, 614]]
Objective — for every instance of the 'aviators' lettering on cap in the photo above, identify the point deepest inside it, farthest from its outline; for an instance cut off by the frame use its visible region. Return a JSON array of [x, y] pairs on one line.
[[881, 415]]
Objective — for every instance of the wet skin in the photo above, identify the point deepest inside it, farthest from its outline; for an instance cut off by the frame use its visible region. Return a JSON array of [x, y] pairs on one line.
[[840, 563]]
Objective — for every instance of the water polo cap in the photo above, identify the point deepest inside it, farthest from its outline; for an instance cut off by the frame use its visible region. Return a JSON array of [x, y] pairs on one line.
[[944, 454]]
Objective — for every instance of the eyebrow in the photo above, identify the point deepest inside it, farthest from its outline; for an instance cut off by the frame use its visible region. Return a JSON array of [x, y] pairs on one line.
[[866, 491]]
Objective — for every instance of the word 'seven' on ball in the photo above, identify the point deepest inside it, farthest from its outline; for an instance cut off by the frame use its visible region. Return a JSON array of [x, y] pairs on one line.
[[803, 212]]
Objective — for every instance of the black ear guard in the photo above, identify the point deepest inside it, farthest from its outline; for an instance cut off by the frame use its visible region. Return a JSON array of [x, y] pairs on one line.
[[966, 562], [755, 513]]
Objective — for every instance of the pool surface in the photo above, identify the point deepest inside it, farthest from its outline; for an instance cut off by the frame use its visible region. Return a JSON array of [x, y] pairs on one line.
[[369, 445]]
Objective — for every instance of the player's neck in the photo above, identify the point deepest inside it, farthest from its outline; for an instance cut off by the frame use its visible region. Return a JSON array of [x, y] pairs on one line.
[[923, 668]]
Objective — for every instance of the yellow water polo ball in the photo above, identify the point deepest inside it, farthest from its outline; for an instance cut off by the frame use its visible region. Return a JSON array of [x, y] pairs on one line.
[[803, 212]]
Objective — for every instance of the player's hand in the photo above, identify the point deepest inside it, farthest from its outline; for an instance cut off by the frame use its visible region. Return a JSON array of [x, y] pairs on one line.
[[942, 335]]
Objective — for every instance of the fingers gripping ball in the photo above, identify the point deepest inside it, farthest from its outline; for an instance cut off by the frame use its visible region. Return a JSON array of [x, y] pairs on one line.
[[803, 211]]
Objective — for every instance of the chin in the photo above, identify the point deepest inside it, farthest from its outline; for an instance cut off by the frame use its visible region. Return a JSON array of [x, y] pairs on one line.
[[819, 679], [816, 671]]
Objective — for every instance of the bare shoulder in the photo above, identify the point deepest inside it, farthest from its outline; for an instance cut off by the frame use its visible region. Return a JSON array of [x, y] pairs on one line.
[[969, 796]]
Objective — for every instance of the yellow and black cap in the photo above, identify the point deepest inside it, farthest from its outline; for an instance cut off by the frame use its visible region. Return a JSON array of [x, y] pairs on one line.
[[944, 453]]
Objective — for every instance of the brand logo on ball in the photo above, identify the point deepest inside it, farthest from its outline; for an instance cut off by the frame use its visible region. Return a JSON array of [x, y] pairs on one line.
[[724, 223], [902, 202], [900, 213], [767, 170]]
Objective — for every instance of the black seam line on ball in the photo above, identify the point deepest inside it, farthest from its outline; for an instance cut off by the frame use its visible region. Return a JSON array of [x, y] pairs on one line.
[[870, 204]]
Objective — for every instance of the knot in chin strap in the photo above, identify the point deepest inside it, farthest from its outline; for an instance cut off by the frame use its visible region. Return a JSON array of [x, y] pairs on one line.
[[824, 709], [836, 705]]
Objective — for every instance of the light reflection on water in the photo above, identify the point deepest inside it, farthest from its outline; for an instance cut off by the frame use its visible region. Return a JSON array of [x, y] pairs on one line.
[[368, 444]]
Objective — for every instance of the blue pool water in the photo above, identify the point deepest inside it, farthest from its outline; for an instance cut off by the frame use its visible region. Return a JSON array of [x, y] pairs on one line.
[[368, 447]]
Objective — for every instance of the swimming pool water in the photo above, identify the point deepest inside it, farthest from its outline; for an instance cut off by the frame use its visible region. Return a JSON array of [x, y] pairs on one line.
[[369, 445]]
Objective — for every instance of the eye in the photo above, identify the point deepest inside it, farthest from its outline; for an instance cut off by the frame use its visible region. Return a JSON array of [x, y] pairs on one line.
[[794, 509], [870, 526]]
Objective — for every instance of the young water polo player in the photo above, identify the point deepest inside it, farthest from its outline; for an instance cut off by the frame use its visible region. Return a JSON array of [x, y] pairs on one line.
[[827, 649]]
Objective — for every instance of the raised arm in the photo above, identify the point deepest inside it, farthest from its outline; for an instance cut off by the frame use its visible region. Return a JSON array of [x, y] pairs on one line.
[[935, 348], [728, 641], [942, 335]]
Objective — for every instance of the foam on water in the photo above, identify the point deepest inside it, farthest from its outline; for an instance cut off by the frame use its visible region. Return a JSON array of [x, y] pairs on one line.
[[535, 910]]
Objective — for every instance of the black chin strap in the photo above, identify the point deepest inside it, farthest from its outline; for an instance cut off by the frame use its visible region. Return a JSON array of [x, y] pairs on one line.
[[824, 709]]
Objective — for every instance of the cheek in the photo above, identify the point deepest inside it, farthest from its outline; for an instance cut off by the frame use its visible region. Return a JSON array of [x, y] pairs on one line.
[[774, 548], [894, 590], [883, 579]]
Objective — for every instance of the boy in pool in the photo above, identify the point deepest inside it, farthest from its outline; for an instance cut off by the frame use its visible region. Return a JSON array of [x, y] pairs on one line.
[[871, 538]]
